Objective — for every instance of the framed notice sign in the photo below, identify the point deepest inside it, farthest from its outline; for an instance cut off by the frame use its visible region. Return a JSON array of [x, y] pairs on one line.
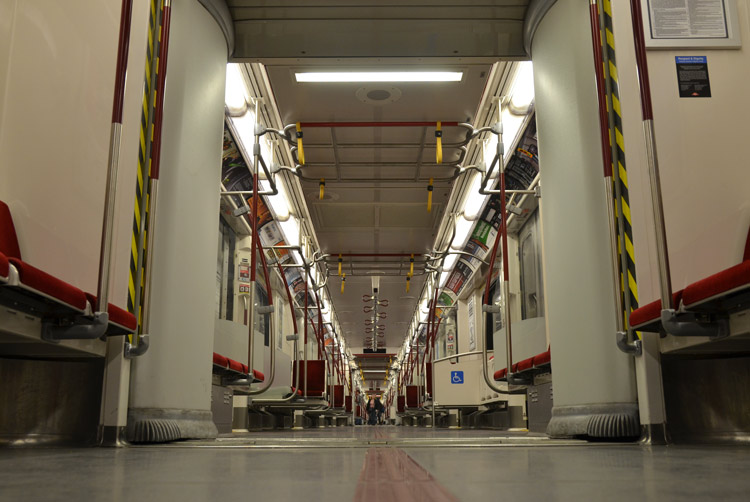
[[702, 24]]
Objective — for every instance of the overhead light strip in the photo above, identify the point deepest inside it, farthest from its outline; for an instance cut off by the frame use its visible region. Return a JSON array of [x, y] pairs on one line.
[[381, 76]]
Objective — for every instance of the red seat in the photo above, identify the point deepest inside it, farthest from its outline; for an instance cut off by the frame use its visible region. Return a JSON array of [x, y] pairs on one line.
[[412, 396], [220, 360], [116, 314], [48, 285], [259, 376], [315, 375], [338, 396], [651, 312], [8, 239], [401, 404], [500, 374], [524, 365], [236, 366], [542, 359], [4, 267], [730, 280]]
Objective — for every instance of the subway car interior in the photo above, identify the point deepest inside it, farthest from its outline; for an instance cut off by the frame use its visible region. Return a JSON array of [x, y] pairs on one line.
[[364, 250]]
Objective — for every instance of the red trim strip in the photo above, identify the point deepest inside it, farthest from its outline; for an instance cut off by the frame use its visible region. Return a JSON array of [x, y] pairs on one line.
[[390, 474], [123, 47], [376, 124], [640, 57], [601, 92]]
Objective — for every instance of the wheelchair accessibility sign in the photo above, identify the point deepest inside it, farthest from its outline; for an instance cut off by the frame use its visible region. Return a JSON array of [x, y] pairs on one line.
[[457, 377]]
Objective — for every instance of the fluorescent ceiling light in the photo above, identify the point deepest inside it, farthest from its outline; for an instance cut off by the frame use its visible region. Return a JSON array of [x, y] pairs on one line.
[[381, 76], [245, 127], [450, 262], [235, 95], [474, 200], [279, 202], [522, 92], [463, 231], [290, 228], [444, 277]]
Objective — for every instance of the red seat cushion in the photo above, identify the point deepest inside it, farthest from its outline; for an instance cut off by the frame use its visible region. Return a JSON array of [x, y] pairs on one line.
[[412, 396], [116, 314], [236, 366], [49, 285], [259, 376], [401, 404], [245, 369], [500, 374], [221, 360], [652, 311], [526, 364], [4, 266], [541, 359], [338, 396], [725, 281], [514, 367], [315, 375], [8, 239]]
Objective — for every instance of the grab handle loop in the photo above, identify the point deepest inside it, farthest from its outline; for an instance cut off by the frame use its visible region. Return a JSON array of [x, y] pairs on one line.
[[300, 147], [429, 196], [439, 141], [322, 187]]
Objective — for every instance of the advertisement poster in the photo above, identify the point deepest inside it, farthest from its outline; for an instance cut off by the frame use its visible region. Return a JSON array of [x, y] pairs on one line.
[[520, 171]]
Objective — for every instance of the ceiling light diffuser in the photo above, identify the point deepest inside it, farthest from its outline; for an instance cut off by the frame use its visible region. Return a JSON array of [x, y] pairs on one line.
[[380, 76]]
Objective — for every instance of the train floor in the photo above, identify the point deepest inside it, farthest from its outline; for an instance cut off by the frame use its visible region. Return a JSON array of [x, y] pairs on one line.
[[380, 463]]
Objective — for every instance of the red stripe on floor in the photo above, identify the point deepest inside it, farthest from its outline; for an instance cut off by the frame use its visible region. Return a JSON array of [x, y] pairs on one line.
[[389, 474]]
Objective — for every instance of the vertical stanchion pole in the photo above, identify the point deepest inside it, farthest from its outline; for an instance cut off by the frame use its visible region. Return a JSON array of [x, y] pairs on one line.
[[660, 230], [596, 40], [105, 253], [153, 191]]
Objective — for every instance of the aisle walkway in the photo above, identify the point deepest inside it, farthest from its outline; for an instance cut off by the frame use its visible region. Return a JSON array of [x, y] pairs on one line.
[[377, 463]]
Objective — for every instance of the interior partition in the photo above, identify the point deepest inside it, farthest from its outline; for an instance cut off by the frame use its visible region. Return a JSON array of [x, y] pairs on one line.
[[594, 382]]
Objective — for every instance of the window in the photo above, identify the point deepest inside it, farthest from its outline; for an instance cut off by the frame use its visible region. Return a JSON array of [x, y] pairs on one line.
[[225, 271], [262, 321], [532, 304]]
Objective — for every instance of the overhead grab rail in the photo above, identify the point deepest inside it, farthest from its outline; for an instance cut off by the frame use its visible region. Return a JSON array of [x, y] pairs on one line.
[[287, 135]]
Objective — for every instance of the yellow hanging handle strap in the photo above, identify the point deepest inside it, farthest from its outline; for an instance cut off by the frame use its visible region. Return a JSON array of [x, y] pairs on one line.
[[429, 196], [439, 141], [322, 187], [340, 262], [343, 283], [411, 265], [300, 147], [408, 282]]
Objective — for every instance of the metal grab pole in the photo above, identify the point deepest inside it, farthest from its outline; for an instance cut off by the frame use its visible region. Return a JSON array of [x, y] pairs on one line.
[[601, 92], [153, 192], [105, 252], [660, 230], [307, 320], [255, 247], [272, 328]]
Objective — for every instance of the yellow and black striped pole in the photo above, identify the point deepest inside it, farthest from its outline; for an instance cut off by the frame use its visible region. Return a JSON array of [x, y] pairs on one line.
[[628, 283], [140, 212]]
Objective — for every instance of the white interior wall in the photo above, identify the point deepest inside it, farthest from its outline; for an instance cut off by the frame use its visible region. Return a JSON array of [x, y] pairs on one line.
[[703, 151], [57, 70]]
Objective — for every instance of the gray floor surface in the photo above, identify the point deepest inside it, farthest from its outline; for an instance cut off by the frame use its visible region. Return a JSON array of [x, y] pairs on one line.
[[324, 464]]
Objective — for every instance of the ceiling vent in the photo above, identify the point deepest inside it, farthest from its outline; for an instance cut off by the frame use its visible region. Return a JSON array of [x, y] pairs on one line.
[[378, 96]]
